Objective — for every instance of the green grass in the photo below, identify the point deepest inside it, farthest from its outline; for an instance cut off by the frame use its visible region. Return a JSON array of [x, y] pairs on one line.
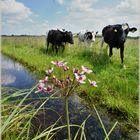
[[117, 87], [17, 116], [19, 120]]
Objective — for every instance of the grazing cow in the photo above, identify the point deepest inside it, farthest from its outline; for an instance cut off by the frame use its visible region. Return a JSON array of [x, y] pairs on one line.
[[59, 38], [87, 37], [115, 36]]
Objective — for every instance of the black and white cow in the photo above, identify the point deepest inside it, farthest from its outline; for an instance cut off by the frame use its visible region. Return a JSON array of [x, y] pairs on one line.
[[115, 36], [59, 38], [87, 37]]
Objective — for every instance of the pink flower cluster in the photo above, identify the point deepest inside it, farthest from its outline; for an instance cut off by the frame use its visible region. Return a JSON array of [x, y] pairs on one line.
[[92, 83], [61, 64], [80, 76], [67, 82], [42, 88], [49, 72]]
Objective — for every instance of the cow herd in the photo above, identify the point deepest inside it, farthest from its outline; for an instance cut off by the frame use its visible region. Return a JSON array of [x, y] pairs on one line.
[[114, 35]]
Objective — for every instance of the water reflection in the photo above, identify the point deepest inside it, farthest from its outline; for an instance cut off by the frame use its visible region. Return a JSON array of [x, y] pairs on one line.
[[15, 75]]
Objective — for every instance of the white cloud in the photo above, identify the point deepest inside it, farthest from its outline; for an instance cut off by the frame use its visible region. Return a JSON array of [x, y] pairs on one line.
[[59, 12], [18, 19], [8, 79], [27, 27], [13, 11], [60, 1], [128, 6], [84, 15], [82, 5]]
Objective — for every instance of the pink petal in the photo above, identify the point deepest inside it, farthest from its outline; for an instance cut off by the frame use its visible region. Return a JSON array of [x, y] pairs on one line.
[[86, 70], [49, 71], [46, 79], [93, 83]]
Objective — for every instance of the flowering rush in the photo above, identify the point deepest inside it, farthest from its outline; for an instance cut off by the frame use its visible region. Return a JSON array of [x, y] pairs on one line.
[[49, 71], [49, 89], [44, 80], [61, 64], [76, 71], [92, 83], [40, 87], [66, 82], [80, 78], [86, 70]]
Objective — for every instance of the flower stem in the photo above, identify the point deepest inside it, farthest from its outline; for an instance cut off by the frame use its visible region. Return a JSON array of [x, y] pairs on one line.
[[67, 117]]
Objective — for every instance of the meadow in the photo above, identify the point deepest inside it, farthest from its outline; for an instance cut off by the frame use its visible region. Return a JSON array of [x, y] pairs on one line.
[[117, 90]]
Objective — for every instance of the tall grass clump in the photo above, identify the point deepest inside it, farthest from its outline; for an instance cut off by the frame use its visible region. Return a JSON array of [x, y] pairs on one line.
[[17, 115]]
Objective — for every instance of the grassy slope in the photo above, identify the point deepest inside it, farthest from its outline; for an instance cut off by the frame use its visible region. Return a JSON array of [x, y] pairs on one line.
[[117, 87]]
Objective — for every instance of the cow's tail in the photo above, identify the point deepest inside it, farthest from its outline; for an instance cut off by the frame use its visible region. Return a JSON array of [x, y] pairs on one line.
[[46, 42]]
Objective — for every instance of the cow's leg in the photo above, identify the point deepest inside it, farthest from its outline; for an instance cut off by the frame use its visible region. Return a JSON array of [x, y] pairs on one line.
[[102, 43], [56, 49], [110, 52], [47, 46], [79, 43], [122, 53], [53, 48], [90, 44], [63, 48], [86, 44], [106, 49]]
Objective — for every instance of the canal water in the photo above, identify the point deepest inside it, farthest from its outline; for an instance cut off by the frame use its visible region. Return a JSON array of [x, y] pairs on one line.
[[16, 76]]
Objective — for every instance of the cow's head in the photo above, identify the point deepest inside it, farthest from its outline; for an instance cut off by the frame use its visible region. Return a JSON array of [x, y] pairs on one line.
[[88, 35], [69, 37], [94, 35], [127, 29]]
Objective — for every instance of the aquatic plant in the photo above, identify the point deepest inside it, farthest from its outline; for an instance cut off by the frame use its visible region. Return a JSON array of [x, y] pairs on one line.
[[68, 84]]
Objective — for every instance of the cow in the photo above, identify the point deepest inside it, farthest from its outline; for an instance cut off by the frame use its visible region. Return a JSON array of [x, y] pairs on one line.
[[87, 37], [58, 39], [115, 37]]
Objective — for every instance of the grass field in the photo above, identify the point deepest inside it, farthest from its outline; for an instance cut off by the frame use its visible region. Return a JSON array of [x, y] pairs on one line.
[[117, 89]]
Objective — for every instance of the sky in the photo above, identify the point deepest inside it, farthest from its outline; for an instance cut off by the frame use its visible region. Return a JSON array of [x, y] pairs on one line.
[[36, 17]]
